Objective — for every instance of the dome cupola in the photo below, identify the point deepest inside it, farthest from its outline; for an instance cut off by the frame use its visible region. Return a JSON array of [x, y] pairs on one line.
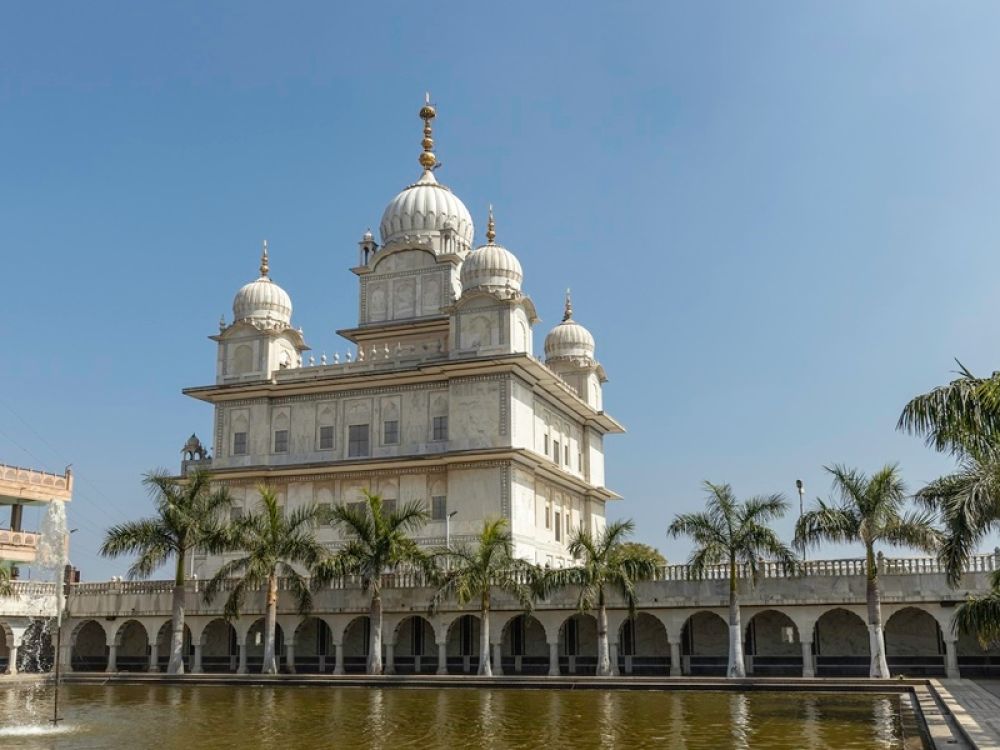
[[569, 340], [427, 206], [491, 266], [263, 301]]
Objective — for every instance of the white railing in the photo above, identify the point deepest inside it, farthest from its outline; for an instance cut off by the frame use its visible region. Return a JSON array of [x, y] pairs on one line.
[[33, 588]]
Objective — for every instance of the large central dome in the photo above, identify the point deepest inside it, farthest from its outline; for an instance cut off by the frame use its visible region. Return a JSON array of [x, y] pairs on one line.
[[426, 206]]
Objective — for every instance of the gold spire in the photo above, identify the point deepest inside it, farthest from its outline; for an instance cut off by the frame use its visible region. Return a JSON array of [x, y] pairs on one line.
[[427, 113], [568, 312], [264, 268], [491, 228]]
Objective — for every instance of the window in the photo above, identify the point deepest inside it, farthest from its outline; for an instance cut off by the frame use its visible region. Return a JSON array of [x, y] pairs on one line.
[[440, 428], [548, 516], [555, 451], [324, 513], [358, 506], [558, 526], [357, 440], [546, 445], [239, 443], [389, 505], [579, 460], [235, 513], [439, 508], [281, 441], [566, 454], [326, 438], [390, 432]]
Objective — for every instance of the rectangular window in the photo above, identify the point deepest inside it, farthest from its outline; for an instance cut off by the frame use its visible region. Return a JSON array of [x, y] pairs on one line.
[[239, 443], [439, 508], [235, 513], [555, 451], [389, 505], [358, 506], [440, 428], [566, 454], [546, 445], [390, 432], [558, 526], [357, 440], [548, 516], [326, 438], [281, 441], [579, 461], [324, 513]]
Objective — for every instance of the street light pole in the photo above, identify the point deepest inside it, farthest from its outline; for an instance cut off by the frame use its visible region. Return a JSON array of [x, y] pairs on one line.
[[802, 491]]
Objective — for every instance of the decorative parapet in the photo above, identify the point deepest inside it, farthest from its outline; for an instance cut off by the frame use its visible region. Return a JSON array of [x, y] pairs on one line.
[[18, 546], [22, 485]]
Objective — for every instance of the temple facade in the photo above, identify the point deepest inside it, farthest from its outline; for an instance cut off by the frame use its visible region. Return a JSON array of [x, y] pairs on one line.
[[441, 399]]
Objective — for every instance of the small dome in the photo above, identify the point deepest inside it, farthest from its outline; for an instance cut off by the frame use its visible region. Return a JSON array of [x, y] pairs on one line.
[[263, 300], [426, 206], [491, 266], [569, 339]]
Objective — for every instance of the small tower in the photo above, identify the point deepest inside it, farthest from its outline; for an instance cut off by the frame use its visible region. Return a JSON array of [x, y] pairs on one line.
[[261, 338], [569, 352], [366, 248]]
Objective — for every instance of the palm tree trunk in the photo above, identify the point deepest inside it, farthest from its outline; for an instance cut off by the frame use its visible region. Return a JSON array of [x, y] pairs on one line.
[[736, 666], [375, 644], [603, 660], [485, 669], [176, 663], [270, 665], [876, 637]]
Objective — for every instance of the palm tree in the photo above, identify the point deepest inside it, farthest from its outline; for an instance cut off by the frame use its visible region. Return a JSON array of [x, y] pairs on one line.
[[605, 562], [273, 543], [6, 585], [736, 534], [187, 519], [870, 511], [474, 573], [377, 540], [980, 615], [961, 418]]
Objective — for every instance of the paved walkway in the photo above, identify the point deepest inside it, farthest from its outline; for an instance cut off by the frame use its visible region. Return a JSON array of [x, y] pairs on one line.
[[975, 708]]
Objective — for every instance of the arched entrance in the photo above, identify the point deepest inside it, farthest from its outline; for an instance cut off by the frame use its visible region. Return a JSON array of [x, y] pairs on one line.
[[220, 647], [840, 639], [357, 640], [415, 651], [6, 641], [704, 645], [313, 647], [90, 647], [163, 636], [523, 647], [772, 646], [643, 645], [255, 646], [132, 654], [913, 644], [36, 652], [578, 645], [463, 645]]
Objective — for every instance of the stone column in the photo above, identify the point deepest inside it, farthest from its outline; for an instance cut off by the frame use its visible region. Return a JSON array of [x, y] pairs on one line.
[[112, 657], [290, 657], [442, 658], [808, 661], [554, 659], [242, 668], [497, 665], [196, 663], [675, 659], [338, 658], [951, 670], [613, 658], [154, 657], [12, 660], [390, 660]]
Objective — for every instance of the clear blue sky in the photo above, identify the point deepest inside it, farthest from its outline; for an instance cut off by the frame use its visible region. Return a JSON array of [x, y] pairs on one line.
[[778, 219]]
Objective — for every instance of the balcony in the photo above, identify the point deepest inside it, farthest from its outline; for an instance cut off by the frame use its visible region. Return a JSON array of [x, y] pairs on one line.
[[18, 546]]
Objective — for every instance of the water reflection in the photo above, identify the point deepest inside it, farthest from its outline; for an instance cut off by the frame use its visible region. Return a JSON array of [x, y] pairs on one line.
[[212, 718]]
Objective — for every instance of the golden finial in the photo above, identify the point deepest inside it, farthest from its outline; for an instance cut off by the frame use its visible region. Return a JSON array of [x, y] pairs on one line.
[[427, 113], [568, 312], [264, 268], [491, 228]]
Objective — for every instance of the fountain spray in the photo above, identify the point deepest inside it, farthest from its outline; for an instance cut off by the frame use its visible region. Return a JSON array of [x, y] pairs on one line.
[[53, 556]]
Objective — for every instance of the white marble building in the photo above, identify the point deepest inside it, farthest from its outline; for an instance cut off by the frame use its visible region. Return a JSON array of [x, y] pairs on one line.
[[440, 400]]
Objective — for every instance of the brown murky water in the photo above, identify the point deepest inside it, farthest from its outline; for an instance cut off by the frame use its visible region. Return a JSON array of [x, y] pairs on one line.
[[212, 718]]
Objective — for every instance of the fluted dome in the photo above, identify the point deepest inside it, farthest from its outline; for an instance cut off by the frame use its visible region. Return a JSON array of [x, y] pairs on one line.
[[426, 206], [263, 300], [491, 266], [569, 339]]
